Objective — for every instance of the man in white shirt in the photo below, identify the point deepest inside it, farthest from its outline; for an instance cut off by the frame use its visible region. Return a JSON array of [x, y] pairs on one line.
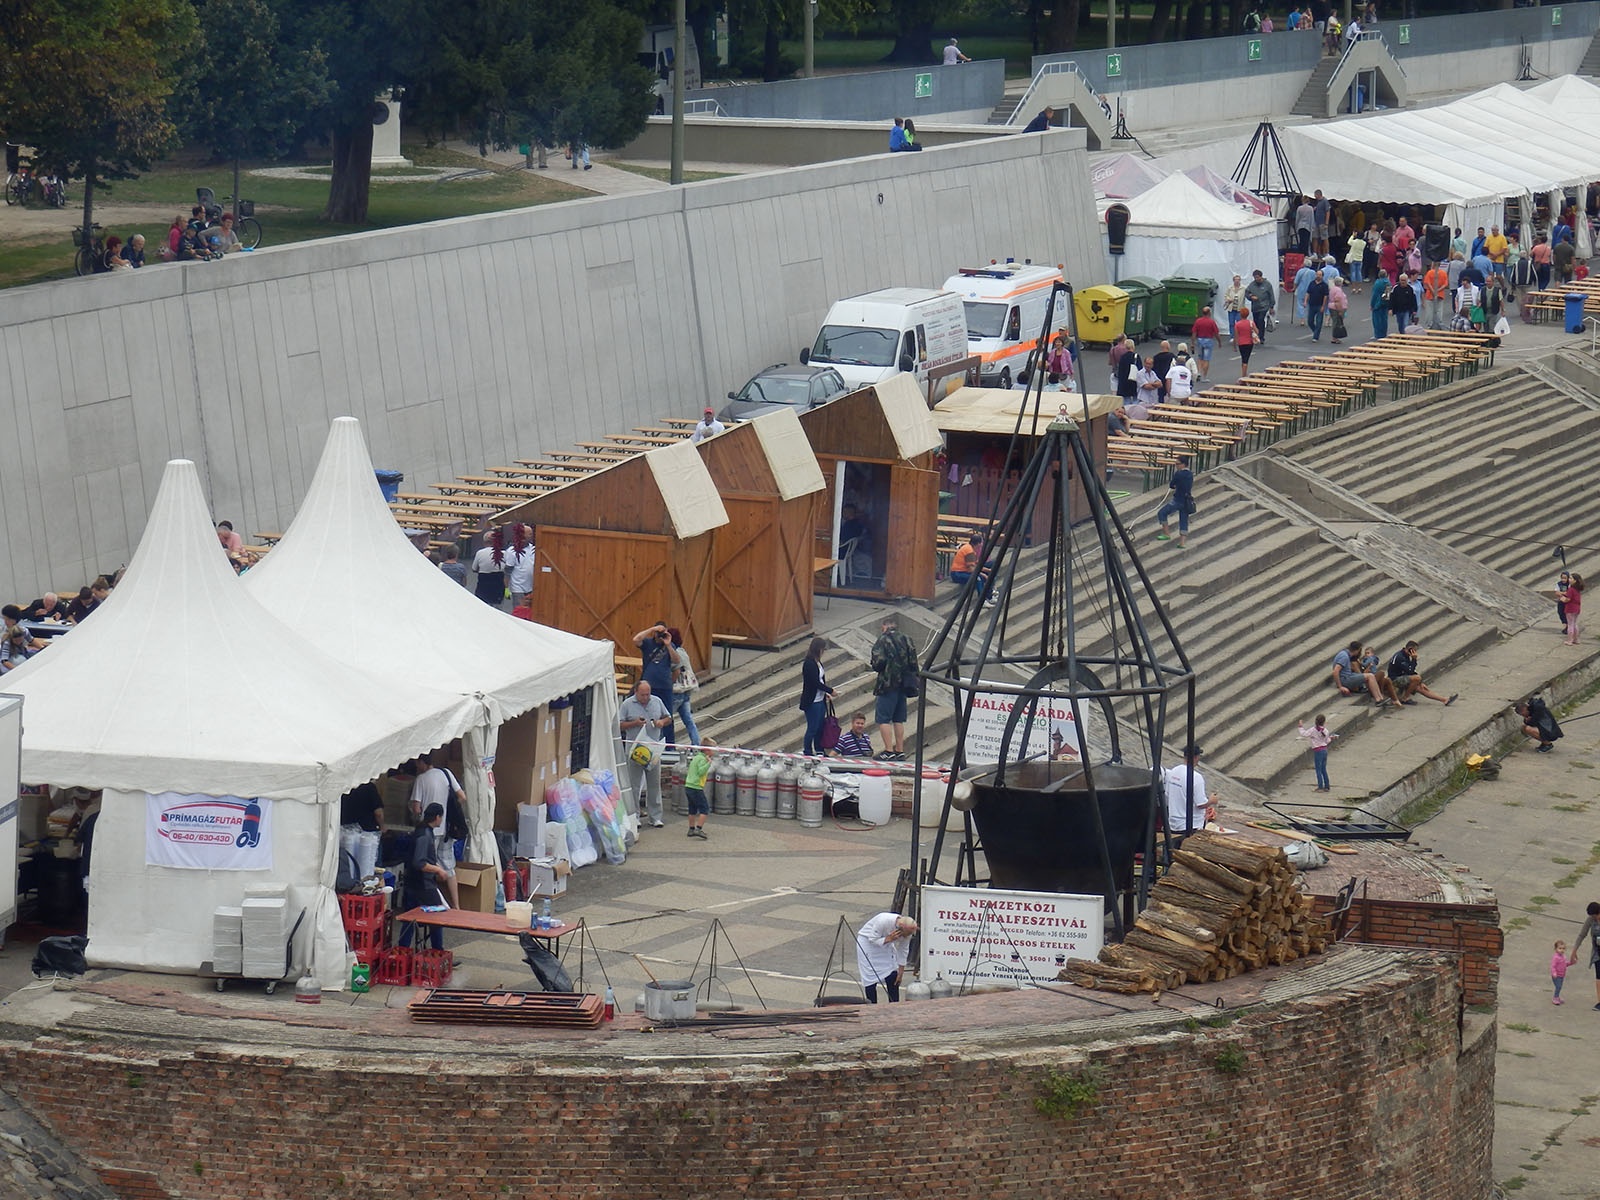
[[882, 947], [709, 427], [953, 55], [1177, 785], [1180, 375]]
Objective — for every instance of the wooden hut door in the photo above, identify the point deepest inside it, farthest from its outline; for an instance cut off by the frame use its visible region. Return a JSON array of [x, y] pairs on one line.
[[913, 530]]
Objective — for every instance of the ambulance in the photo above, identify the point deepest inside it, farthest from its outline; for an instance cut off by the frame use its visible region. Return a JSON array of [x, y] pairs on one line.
[[1005, 305], [870, 337]]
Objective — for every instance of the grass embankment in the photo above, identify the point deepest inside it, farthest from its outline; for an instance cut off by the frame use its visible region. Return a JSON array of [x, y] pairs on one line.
[[290, 210]]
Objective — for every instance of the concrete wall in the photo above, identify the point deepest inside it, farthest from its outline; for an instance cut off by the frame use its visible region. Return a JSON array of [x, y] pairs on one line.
[[1156, 81], [786, 143], [968, 91], [466, 343]]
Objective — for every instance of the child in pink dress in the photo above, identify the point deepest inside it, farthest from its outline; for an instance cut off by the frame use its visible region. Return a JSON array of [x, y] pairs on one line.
[[1558, 971]]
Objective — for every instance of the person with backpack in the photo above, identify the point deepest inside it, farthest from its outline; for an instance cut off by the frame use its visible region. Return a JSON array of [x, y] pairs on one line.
[[895, 660]]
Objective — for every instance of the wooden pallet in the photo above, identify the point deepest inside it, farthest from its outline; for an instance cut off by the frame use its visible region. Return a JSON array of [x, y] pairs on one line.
[[547, 1010]]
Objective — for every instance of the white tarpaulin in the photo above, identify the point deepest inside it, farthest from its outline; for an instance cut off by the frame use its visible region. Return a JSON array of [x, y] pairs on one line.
[[348, 581], [1178, 223], [182, 682], [1471, 154]]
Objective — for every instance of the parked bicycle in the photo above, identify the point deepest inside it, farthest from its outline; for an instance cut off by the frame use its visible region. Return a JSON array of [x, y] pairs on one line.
[[54, 190], [19, 185], [87, 260], [245, 226]]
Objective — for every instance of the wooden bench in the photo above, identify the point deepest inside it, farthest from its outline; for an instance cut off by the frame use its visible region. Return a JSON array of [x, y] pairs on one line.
[[727, 641]]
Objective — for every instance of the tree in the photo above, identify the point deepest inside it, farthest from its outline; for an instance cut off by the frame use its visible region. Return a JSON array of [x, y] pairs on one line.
[[559, 71], [88, 83], [249, 92], [368, 47]]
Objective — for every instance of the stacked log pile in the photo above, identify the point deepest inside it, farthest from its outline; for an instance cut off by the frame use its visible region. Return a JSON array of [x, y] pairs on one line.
[[1226, 906]]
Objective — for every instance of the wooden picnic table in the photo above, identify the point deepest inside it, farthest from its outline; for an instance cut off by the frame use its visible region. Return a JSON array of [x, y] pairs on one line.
[[271, 539], [549, 472], [643, 439], [728, 641], [680, 422]]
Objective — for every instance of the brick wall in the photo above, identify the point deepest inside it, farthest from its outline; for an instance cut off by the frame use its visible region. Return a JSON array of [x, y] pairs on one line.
[[1365, 1092], [1471, 931]]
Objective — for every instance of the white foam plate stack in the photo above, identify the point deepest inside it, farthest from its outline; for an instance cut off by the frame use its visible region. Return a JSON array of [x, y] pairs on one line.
[[227, 941], [265, 931]]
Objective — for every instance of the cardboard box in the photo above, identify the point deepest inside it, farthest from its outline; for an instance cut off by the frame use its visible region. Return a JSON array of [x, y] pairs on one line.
[[530, 830], [548, 876], [477, 883], [563, 746]]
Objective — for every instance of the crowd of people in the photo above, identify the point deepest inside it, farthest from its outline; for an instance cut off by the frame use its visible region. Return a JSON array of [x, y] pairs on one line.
[[1357, 669], [27, 629]]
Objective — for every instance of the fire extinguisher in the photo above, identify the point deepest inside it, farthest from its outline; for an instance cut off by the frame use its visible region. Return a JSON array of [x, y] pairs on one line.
[[515, 889]]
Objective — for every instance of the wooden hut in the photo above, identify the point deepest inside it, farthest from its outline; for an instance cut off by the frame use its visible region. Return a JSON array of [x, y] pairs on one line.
[[879, 515], [627, 546], [764, 558], [978, 424]]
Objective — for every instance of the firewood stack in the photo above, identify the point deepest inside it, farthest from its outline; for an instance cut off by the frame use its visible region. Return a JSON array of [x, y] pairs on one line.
[[1227, 905]]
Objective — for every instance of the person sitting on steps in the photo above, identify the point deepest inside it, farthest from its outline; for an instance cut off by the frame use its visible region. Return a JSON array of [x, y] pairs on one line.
[[1349, 680]]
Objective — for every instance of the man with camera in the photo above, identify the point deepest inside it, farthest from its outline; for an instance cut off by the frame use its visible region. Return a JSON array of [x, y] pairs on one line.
[[642, 718]]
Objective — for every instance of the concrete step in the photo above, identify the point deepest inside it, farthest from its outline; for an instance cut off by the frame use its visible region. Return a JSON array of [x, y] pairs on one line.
[[1313, 99], [1590, 65]]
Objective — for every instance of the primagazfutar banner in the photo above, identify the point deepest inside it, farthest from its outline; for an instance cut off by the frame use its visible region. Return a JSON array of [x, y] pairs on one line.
[[208, 833]]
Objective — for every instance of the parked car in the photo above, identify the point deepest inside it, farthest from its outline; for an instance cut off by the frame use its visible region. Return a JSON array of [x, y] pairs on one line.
[[783, 386]]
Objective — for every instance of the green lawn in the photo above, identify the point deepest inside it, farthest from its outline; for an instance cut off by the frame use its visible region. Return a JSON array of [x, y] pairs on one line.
[[664, 174], [289, 209]]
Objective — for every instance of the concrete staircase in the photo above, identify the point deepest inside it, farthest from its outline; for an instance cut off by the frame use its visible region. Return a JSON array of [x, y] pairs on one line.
[[1313, 101], [1065, 88], [1590, 65], [1432, 517], [1006, 109]]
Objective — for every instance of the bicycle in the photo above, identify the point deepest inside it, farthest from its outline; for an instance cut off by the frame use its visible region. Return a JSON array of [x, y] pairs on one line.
[[87, 260], [19, 185], [245, 226]]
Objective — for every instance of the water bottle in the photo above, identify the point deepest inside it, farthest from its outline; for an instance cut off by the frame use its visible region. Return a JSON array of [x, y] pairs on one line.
[[546, 921], [611, 1003]]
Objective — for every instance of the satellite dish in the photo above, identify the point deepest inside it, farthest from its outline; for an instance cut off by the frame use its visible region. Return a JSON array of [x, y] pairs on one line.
[[380, 112]]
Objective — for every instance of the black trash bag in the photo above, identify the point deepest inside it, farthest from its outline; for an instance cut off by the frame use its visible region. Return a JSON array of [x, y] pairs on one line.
[[547, 967], [61, 956]]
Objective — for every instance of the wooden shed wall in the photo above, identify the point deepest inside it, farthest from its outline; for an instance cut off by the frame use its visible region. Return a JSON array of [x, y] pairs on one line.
[[764, 585], [603, 584]]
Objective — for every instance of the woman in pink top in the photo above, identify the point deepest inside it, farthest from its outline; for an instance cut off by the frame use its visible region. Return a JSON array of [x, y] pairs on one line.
[[1338, 304], [1572, 602], [1319, 735]]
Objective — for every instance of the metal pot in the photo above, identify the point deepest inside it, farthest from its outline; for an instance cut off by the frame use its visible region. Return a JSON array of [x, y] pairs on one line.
[[669, 1000]]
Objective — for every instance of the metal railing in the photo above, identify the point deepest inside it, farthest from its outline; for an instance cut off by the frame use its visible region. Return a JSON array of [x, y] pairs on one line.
[[1057, 68], [703, 108], [1366, 35]]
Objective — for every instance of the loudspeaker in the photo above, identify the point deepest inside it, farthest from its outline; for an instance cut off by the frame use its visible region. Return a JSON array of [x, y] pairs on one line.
[[1436, 243], [1117, 228]]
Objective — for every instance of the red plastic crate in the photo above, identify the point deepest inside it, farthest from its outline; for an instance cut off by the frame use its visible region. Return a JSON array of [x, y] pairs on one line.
[[431, 968], [361, 908], [366, 924], [368, 958], [368, 939], [393, 966]]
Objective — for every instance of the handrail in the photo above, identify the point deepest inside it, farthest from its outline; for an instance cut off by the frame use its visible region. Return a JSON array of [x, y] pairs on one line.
[[1056, 68], [703, 108], [1366, 35]]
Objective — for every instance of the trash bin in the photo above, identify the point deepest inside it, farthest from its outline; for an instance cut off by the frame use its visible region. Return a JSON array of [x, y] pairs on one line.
[[1186, 296], [1574, 312], [389, 483], [1146, 298], [1101, 311]]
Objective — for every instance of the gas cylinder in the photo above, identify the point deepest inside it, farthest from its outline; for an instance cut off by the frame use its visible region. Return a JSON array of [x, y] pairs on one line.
[[940, 988], [745, 772], [307, 990], [788, 790], [766, 789], [676, 766], [812, 792], [724, 786], [915, 990]]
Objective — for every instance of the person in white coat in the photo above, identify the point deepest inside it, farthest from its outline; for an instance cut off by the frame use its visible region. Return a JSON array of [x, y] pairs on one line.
[[881, 949]]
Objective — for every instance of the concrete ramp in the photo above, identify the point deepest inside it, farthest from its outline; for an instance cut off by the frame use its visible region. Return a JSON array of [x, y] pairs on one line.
[[1366, 62], [1065, 88]]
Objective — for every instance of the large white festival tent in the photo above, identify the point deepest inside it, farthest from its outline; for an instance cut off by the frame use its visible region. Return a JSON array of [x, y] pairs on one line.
[[1177, 223], [348, 581], [207, 721], [1470, 155]]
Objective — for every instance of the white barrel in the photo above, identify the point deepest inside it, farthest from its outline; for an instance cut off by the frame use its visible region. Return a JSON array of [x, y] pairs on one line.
[[876, 796], [931, 789]]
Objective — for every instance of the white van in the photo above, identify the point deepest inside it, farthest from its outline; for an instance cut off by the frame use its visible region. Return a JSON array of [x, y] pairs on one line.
[[1005, 304], [868, 338], [656, 49]]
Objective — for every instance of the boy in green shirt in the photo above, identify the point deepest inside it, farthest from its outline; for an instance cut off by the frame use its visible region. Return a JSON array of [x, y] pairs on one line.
[[694, 790]]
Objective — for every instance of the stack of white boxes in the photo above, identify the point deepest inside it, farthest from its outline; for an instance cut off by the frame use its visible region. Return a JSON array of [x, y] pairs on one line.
[[265, 931], [227, 941]]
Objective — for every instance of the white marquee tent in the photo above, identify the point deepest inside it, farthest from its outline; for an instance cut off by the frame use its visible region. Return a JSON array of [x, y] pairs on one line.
[[347, 580], [1177, 223], [182, 683], [1470, 155]]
